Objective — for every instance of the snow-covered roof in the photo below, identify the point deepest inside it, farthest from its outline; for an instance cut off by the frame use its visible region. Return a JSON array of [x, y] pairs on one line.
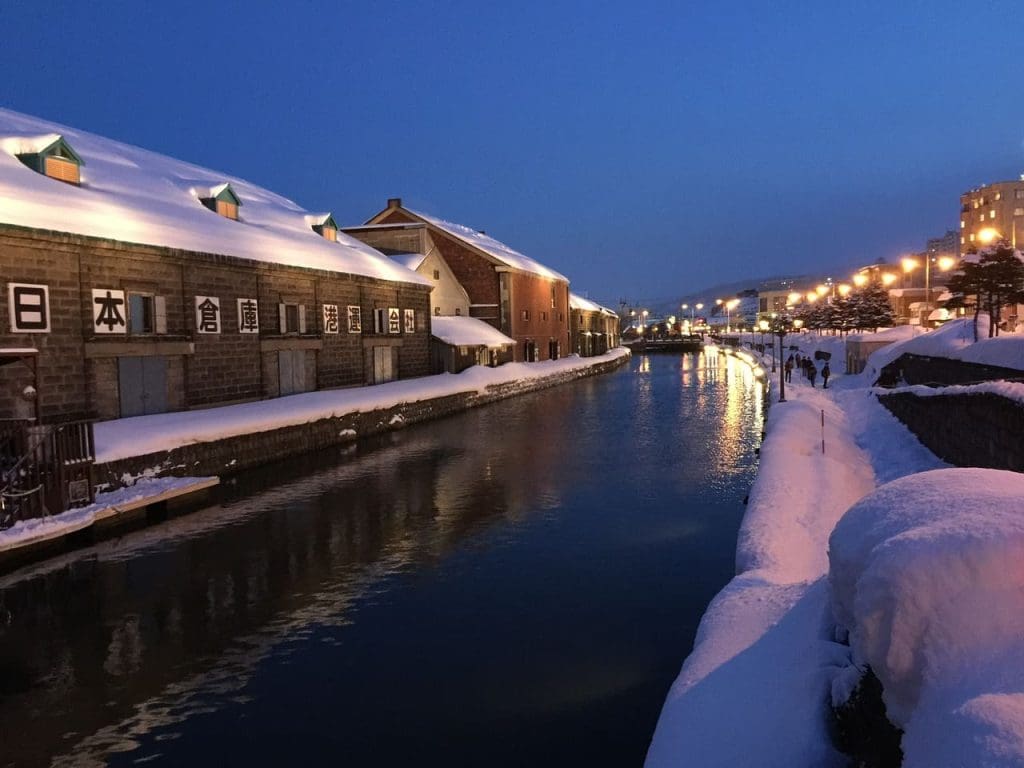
[[408, 260], [497, 250], [467, 332], [137, 196], [578, 302]]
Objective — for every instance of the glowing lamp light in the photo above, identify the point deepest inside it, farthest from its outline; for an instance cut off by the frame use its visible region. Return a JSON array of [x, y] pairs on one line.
[[821, 290], [909, 264], [888, 278], [860, 279], [794, 297], [762, 324], [812, 296], [946, 263], [798, 323], [987, 235], [844, 289]]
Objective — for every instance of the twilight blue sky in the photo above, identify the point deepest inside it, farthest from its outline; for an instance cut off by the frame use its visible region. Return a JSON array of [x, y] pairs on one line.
[[645, 149]]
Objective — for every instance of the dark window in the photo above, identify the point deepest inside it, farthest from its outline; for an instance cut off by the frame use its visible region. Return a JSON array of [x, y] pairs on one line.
[[437, 274], [141, 317], [552, 295], [524, 314], [458, 310]]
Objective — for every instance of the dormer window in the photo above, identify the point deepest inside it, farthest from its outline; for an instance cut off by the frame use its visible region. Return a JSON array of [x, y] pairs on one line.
[[223, 200], [52, 156], [324, 225]]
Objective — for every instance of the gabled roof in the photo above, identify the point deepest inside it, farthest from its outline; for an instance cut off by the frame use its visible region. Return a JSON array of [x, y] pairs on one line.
[[136, 196], [321, 220], [43, 144], [494, 250], [467, 332], [222, 192]]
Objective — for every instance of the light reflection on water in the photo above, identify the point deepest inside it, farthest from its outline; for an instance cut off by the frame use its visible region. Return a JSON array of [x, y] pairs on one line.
[[534, 570]]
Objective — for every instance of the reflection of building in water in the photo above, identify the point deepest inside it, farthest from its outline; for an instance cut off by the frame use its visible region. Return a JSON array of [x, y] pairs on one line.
[[201, 599]]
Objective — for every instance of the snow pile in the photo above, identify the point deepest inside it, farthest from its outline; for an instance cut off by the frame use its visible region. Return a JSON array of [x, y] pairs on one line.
[[136, 196], [467, 332], [1003, 351], [497, 250], [927, 575], [946, 341], [578, 302], [140, 435]]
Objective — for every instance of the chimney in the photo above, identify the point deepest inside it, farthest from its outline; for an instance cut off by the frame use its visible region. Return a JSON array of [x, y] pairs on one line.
[[394, 202]]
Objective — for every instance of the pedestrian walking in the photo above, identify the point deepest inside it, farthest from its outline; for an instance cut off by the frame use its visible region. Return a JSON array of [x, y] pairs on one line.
[[812, 372], [789, 369], [825, 373]]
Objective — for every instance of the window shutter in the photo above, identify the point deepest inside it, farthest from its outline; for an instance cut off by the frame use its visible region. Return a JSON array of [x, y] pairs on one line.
[[302, 318], [160, 314], [282, 319]]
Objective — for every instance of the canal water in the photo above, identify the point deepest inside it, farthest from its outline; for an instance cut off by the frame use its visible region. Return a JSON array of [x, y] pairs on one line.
[[512, 586]]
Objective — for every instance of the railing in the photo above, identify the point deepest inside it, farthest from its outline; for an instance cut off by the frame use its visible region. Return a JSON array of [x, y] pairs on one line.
[[44, 469]]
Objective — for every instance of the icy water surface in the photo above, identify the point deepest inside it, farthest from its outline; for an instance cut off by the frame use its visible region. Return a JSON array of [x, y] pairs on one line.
[[513, 586]]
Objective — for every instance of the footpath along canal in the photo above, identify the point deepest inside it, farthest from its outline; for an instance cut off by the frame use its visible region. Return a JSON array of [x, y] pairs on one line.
[[514, 585]]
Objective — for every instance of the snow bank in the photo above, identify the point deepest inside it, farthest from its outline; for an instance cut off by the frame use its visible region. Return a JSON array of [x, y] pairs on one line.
[[927, 575], [1004, 351], [140, 435], [755, 686], [945, 341]]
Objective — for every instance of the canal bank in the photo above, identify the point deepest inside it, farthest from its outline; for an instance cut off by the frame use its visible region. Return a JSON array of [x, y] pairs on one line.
[[758, 682], [149, 461], [231, 439], [509, 585]]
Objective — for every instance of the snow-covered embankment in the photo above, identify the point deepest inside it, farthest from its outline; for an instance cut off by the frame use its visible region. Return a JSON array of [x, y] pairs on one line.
[[756, 687]]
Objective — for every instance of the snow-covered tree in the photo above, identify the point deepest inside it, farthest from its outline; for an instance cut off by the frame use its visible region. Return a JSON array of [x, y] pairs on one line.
[[988, 281], [869, 307]]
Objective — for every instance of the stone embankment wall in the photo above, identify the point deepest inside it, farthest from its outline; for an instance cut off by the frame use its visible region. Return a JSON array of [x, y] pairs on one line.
[[968, 430], [941, 371], [235, 454]]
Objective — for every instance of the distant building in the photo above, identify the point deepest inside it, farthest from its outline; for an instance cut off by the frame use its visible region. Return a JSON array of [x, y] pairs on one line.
[[595, 329], [991, 212], [947, 245], [519, 296]]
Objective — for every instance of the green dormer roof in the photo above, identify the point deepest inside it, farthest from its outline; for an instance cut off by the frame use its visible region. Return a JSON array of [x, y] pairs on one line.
[[35, 149]]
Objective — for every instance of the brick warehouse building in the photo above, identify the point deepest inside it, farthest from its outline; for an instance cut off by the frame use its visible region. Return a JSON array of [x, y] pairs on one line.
[[134, 283], [522, 298]]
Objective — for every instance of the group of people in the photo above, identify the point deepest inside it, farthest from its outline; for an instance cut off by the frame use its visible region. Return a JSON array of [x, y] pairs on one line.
[[807, 365]]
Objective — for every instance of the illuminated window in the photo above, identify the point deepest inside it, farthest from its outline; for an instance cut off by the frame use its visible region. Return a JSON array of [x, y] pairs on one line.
[[962, 240], [992, 213], [62, 169], [962, 223], [330, 233], [972, 237], [1018, 211], [981, 217], [227, 210], [1018, 194], [999, 195]]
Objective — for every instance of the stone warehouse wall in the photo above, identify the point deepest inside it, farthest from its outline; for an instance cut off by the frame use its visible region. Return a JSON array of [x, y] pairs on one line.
[[78, 367], [979, 430], [225, 457]]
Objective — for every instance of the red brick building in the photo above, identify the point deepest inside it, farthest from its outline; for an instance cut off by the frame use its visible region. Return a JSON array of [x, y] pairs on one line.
[[134, 284], [522, 298]]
